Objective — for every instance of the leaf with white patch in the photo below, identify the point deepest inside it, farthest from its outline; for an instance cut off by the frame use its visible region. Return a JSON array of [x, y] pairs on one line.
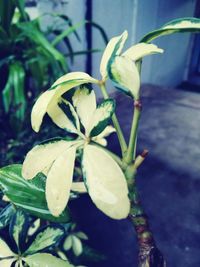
[[45, 260], [141, 50], [174, 26], [5, 251], [60, 118], [105, 182], [41, 157], [113, 48], [124, 74], [61, 86], [84, 100], [59, 181], [45, 238], [101, 117]]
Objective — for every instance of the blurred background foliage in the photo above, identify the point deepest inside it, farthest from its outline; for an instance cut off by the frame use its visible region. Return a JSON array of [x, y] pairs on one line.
[[30, 62]]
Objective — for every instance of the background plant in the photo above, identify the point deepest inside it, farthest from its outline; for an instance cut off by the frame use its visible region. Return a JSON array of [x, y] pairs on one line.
[[29, 63], [123, 68]]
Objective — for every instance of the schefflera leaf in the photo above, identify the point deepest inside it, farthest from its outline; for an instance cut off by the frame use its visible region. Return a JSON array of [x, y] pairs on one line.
[[45, 260], [180, 25], [113, 48], [124, 74], [141, 50], [61, 86], [59, 181], [41, 157], [18, 229], [101, 117], [28, 195], [105, 182], [44, 238], [84, 100]]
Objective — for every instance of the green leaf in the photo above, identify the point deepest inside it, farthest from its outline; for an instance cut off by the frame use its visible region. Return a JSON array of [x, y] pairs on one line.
[[174, 26], [125, 76], [45, 260], [113, 48], [105, 182], [21, 6], [66, 33], [18, 228], [31, 30], [41, 157], [7, 93], [6, 215], [18, 76], [101, 117], [59, 181], [27, 195], [45, 238], [7, 9]]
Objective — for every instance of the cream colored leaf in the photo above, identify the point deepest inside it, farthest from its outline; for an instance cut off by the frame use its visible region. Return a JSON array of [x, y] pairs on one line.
[[141, 50], [59, 181], [113, 48], [85, 102], [45, 260], [74, 77], [5, 251], [41, 157], [78, 187], [62, 85], [106, 183], [191, 23], [6, 263], [60, 118], [125, 75]]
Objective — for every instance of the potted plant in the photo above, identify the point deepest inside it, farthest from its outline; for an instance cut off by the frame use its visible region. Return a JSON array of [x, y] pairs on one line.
[[58, 170]]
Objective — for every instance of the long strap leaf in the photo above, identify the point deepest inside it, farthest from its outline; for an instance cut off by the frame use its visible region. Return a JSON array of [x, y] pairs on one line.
[[174, 26]]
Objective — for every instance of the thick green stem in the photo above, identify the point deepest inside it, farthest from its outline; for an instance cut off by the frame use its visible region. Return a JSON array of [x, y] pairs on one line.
[[116, 124], [131, 152]]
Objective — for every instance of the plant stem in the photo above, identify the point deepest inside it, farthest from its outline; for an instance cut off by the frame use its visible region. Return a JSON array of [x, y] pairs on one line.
[[116, 124], [149, 254], [131, 152]]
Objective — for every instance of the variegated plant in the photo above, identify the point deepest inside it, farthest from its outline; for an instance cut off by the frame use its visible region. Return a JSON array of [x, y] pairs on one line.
[[109, 179], [29, 245]]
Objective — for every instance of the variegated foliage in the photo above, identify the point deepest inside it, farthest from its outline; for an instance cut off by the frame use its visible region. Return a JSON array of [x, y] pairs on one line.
[[30, 244]]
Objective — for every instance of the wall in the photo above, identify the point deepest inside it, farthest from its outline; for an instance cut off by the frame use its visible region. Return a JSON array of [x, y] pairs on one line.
[[138, 17]]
